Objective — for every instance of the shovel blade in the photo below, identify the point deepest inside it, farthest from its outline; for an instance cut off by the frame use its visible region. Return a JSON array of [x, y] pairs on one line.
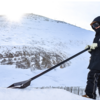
[[20, 85]]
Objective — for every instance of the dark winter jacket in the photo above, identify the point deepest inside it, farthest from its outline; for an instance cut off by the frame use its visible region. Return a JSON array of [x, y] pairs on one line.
[[95, 54]]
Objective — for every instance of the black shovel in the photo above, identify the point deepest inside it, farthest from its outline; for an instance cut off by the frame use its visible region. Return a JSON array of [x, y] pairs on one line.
[[26, 83]]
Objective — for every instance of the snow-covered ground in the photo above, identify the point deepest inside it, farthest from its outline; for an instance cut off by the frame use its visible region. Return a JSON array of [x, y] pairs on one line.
[[37, 94], [52, 36], [56, 78]]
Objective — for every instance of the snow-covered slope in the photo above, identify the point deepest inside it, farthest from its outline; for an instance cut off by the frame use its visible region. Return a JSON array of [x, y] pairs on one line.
[[39, 34], [52, 41], [36, 34]]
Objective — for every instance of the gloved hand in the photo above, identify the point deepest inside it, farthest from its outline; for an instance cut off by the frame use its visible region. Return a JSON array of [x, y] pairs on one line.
[[92, 47]]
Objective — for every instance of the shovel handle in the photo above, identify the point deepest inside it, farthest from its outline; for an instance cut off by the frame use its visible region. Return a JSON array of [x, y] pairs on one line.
[[26, 83], [59, 64]]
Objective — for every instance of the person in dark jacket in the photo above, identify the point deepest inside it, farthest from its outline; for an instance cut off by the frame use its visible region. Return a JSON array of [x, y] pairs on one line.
[[93, 79]]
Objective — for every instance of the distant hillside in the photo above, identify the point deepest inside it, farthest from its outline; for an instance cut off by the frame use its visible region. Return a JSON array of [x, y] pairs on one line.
[[38, 42]]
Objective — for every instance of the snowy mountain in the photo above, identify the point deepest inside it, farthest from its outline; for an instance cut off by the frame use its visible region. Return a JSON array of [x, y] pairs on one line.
[[38, 42]]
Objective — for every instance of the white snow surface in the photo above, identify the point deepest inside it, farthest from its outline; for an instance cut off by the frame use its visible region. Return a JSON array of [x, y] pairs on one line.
[[37, 94], [52, 36], [10, 75]]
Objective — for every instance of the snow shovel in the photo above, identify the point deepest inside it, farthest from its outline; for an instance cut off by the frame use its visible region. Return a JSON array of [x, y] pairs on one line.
[[26, 83]]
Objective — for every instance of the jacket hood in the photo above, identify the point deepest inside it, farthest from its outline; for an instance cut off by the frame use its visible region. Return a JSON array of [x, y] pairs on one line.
[[97, 19]]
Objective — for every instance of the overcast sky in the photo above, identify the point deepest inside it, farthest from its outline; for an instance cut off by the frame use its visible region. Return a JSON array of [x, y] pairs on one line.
[[76, 12]]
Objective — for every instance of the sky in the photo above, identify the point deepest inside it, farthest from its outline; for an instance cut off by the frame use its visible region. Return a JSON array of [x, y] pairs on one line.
[[76, 12]]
